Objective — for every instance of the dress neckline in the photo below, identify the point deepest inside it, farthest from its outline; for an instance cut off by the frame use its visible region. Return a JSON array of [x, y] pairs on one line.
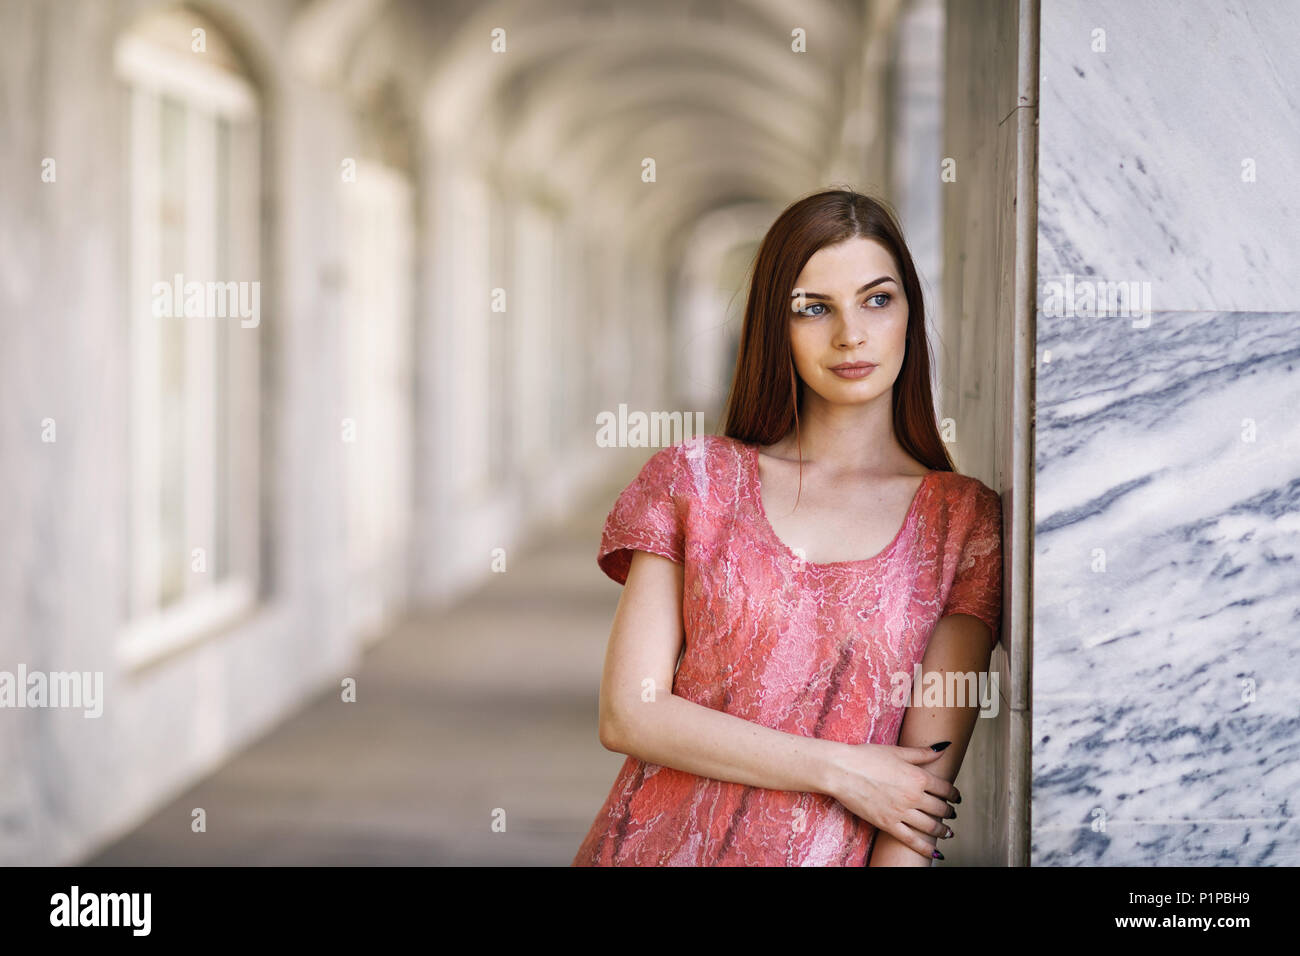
[[756, 487]]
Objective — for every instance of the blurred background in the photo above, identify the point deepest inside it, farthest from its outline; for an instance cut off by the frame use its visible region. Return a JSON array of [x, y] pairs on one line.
[[310, 308]]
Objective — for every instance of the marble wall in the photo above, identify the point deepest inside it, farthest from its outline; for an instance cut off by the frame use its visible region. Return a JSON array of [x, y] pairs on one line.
[[1167, 459]]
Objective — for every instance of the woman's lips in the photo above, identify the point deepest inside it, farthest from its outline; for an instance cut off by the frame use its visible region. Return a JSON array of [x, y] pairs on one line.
[[853, 371]]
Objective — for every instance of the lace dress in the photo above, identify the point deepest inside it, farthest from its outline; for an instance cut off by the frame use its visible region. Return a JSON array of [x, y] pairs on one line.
[[798, 646]]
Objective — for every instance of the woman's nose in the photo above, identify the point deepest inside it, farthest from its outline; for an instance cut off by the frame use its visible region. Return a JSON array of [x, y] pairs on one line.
[[850, 334]]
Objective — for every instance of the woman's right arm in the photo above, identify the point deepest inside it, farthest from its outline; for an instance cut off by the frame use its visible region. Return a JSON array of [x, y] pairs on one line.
[[881, 784]]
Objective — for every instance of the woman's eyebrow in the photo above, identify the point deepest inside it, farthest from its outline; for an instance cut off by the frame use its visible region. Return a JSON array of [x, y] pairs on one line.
[[862, 289]]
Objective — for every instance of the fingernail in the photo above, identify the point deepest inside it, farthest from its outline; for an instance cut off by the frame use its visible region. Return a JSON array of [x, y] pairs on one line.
[[952, 814], [936, 855], [948, 834], [937, 747], [958, 799]]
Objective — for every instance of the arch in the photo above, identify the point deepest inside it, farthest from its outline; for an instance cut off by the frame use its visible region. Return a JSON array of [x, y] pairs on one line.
[[591, 76]]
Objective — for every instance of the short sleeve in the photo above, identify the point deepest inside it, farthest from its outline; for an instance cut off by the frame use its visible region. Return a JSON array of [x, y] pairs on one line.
[[647, 516], [977, 583]]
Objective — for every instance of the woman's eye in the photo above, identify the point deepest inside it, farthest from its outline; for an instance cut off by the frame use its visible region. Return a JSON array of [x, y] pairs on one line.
[[817, 305]]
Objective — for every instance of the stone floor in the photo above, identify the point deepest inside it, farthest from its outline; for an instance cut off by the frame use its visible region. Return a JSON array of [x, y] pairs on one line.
[[491, 704]]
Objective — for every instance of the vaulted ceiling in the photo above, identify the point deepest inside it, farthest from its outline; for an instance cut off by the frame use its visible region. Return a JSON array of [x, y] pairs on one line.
[[586, 89]]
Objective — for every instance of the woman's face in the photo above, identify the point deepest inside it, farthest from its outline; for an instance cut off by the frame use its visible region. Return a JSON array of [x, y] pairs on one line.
[[848, 307]]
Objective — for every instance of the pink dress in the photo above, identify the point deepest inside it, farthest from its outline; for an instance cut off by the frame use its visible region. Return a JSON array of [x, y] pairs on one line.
[[801, 647]]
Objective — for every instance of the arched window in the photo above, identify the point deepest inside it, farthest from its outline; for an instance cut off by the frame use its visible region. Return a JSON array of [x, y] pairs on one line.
[[194, 320]]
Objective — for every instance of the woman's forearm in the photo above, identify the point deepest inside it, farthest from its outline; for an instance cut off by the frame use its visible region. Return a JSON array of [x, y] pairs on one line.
[[959, 645], [888, 851], [675, 732]]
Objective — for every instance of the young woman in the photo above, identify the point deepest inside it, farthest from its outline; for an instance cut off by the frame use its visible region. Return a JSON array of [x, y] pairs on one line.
[[782, 580]]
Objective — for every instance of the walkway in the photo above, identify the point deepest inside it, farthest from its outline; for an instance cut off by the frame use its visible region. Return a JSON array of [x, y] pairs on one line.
[[491, 704]]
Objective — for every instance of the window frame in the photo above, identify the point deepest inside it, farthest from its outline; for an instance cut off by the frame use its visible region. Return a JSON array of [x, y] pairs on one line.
[[220, 385]]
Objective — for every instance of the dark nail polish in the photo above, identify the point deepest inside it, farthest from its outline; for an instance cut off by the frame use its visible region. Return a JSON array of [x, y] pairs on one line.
[[952, 814], [958, 799], [937, 747], [936, 855]]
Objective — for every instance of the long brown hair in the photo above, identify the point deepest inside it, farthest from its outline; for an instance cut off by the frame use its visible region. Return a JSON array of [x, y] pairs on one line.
[[763, 403]]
